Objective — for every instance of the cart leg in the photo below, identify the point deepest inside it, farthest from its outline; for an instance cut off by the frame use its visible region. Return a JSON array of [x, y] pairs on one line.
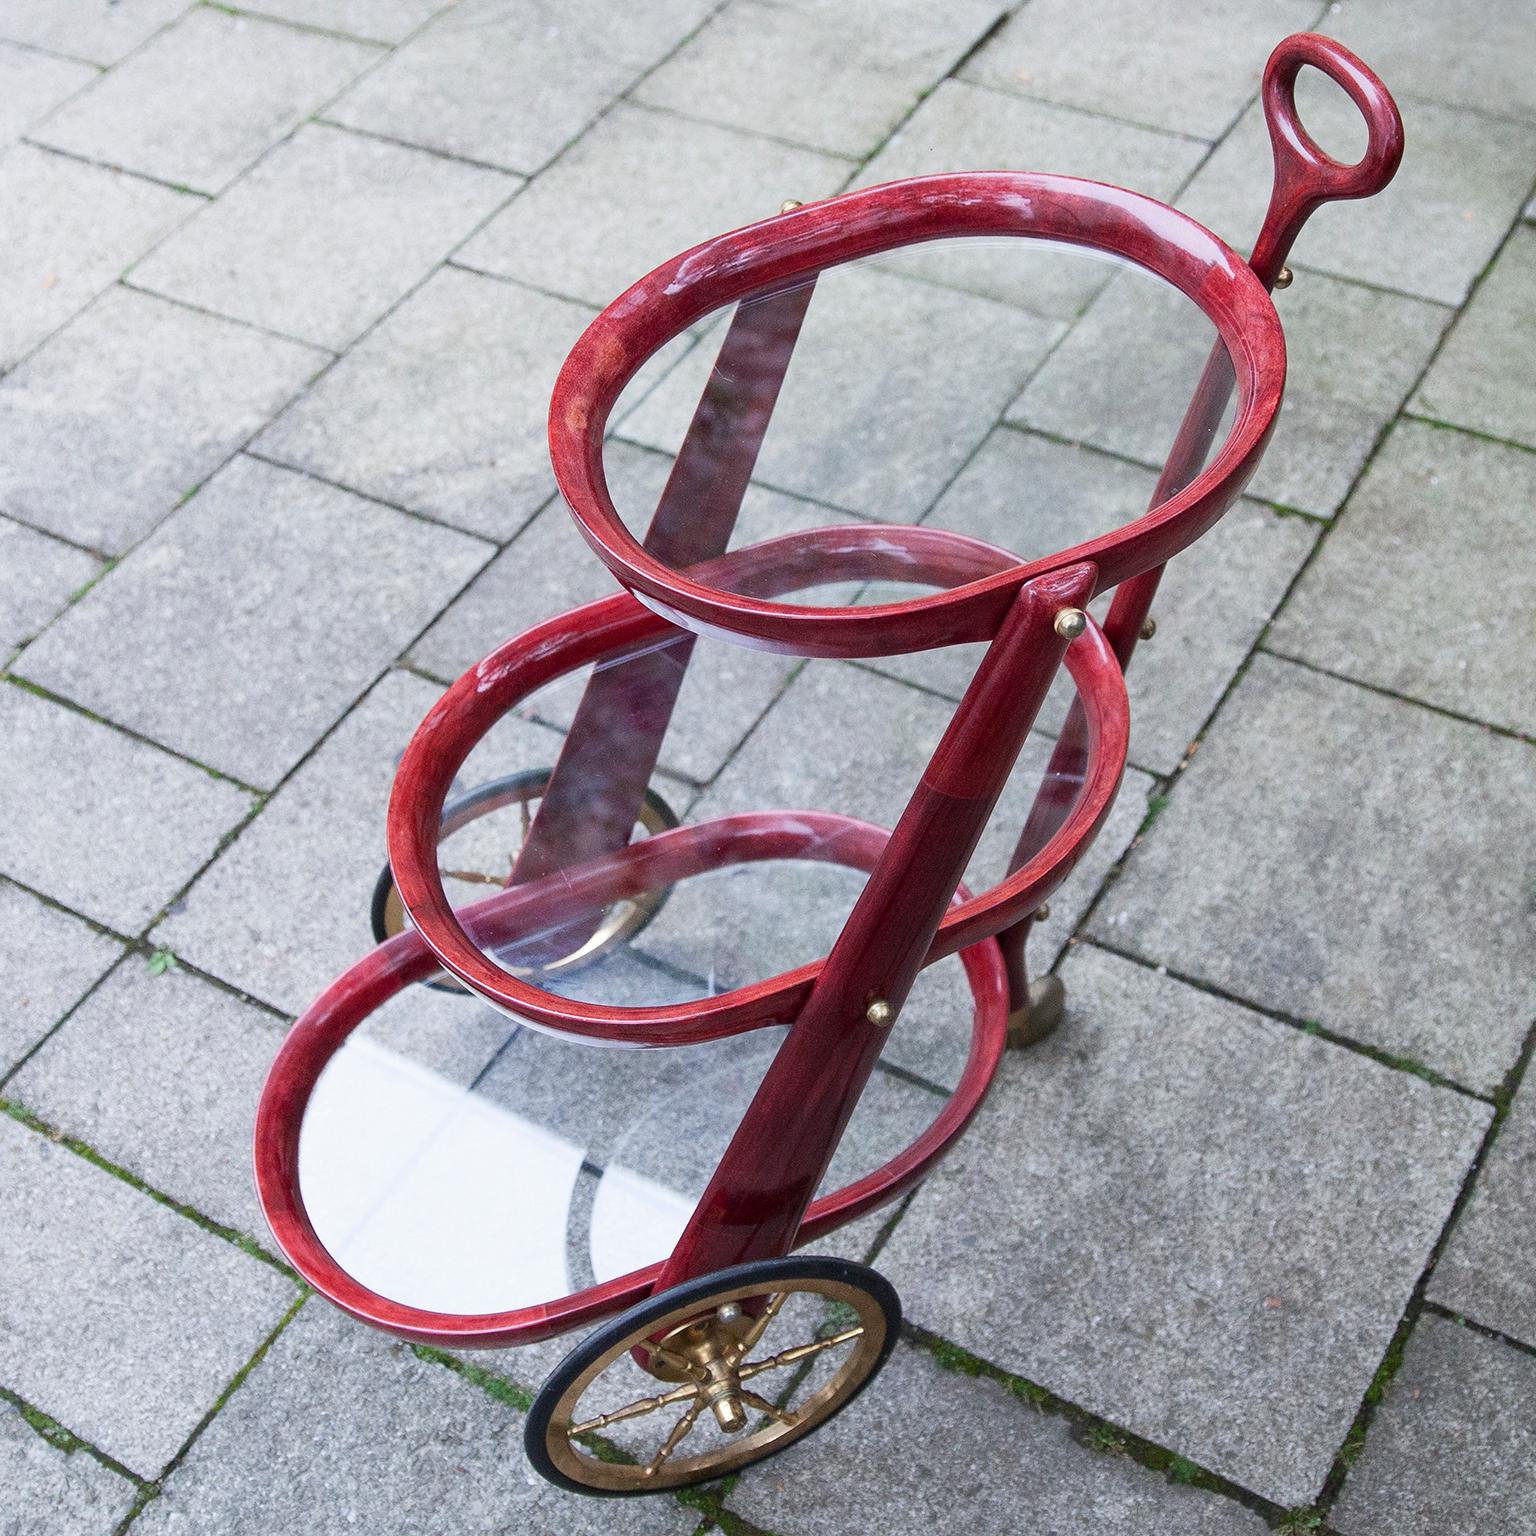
[[1037, 1005]]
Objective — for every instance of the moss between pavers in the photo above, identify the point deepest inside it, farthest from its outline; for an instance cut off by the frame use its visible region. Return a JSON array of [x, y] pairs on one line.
[[1096, 1433], [247, 1245]]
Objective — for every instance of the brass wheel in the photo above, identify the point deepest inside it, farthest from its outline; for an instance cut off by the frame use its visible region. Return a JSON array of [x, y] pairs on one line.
[[491, 865], [711, 1376]]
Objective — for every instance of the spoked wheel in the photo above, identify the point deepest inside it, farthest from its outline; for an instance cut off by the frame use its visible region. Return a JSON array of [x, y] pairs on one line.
[[760, 1355], [491, 850]]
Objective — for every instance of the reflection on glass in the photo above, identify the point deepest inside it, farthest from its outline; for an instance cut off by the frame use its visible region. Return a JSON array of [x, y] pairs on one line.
[[550, 1165]]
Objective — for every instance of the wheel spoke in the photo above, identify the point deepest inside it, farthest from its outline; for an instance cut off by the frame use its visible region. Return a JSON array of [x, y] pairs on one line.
[[799, 1352], [632, 1410], [759, 1327], [679, 1362], [764, 1406], [471, 877], [675, 1439]]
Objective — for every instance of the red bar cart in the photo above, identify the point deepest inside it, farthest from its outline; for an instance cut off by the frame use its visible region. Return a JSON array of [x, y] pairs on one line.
[[719, 1340]]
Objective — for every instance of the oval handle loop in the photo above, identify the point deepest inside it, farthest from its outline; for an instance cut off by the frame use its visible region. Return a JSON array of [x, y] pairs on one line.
[[1306, 176]]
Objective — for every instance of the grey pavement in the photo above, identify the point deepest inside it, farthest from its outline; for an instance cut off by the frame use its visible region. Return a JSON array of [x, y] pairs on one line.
[[284, 287], [1430, 233], [1485, 1271], [1174, 1262], [124, 1321], [1322, 803], [1453, 1446], [238, 611], [1354, 353], [1172, 76], [51, 960], [56, 1485], [93, 457], [1462, 387], [39, 576]]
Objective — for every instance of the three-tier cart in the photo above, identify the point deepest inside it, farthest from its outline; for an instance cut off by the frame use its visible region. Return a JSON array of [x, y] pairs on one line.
[[714, 1334]]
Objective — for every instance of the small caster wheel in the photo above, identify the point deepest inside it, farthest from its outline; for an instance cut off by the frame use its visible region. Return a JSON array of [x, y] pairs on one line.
[[1040, 1015], [762, 1354], [523, 791]]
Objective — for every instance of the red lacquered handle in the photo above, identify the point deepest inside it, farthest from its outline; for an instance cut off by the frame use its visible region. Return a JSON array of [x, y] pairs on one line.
[[1305, 176]]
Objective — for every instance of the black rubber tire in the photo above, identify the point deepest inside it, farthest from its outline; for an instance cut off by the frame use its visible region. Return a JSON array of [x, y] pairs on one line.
[[771, 1273]]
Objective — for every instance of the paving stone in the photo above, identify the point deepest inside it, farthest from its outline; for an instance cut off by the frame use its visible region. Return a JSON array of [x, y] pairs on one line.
[[1463, 178], [637, 188], [322, 585], [998, 1465], [38, 575], [444, 408], [1214, 600], [1340, 856], [99, 30], [1396, 596], [66, 1492], [548, 569], [970, 127], [1488, 1269], [324, 235], [114, 827], [197, 104], [124, 1320], [32, 85], [408, 1444], [73, 229], [816, 750], [893, 385], [1191, 1220], [833, 76], [1354, 355], [1173, 75], [160, 1075], [382, 21], [1452, 1445], [1482, 377], [50, 959], [130, 407], [285, 909], [1471, 53], [514, 87]]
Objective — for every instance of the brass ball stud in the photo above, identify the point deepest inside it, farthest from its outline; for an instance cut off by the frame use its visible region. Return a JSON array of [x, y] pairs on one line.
[[1042, 912], [880, 1013], [1284, 278], [1070, 623], [1148, 628], [790, 204]]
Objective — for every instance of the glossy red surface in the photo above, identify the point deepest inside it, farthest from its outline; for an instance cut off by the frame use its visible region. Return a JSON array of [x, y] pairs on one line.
[[323, 1030], [611, 748], [794, 247], [912, 910], [1306, 176], [753, 1205], [463, 716]]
